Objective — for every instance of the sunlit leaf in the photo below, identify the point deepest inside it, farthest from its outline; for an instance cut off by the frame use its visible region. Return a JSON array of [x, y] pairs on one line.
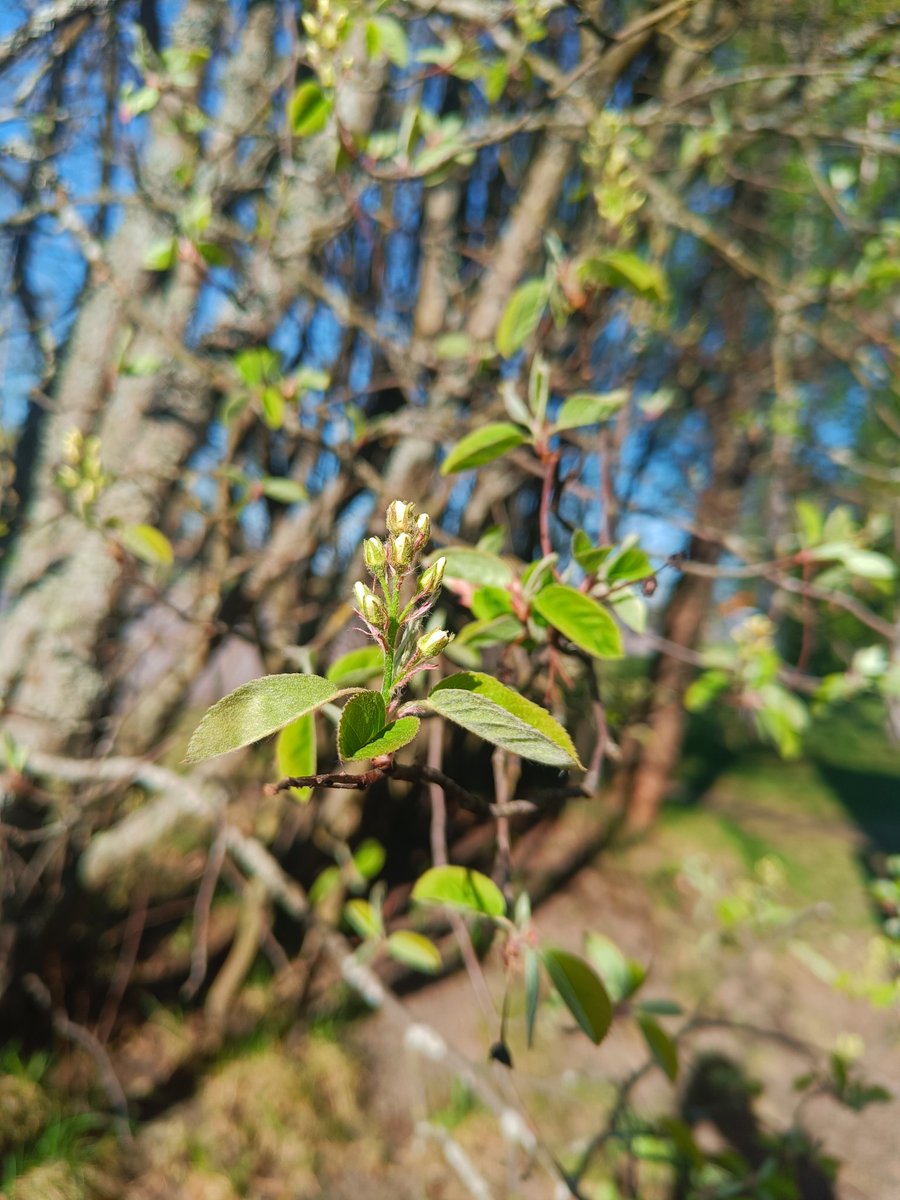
[[460, 887], [483, 446], [147, 543], [363, 919], [363, 732], [259, 708], [485, 707], [589, 408], [308, 109], [580, 618], [356, 667], [415, 951], [295, 752]]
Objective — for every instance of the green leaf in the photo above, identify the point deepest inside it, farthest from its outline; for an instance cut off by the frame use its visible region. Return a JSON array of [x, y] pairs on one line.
[[589, 408], [148, 544], [485, 707], [868, 564], [475, 566], [161, 255], [582, 992], [308, 110], [324, 883], [521, 316], [213, 254], [416, 951], [532, 991], [490, 602], [588, 556], [259, 708], [662, 1047], [497, 631], [295, 752], [257, 366], [368, 858], [363, 919], [705, 688], [661, 1008], [460, 887], [356, 667], [272, 403], [142, 365], [452, 345], [362, 732], [141, 100], [581, 619], [391, 39], [283, 491], [628, 566], [612, 965], [630, 609], [623, 268], [483, 446]]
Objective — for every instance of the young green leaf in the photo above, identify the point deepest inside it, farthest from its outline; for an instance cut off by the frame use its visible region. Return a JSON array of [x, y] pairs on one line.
[[368, 858], [390, 38], [483, 446], [589, 408], [356, 667], [416, 951], [272, 403], [363, 919], [588, 556], [295, 752], [460, 887], [628, 566], [485, 707], [490, 602], [259, 708], [521, 316], [475, 566], [582, 992], [283, 491], [581, 619], [308, 110], [148, 544], [661, 1046], [362, 732], [161, 255]]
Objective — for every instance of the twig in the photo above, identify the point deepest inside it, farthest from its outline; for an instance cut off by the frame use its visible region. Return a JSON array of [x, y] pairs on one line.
[[199, 951]]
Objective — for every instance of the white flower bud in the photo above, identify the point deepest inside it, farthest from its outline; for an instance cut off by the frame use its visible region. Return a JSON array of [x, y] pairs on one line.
[[400, 517], [369, 605], [374, 555], [423, 529], [402, 549], [431, 580], [430, 644]]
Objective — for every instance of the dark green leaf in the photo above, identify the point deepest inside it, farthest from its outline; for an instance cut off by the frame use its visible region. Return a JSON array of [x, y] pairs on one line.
[[501, 716], [532, 991], [582, 992], [581, 619], [483, 446], [662, 1047], [362, 732], [257, 709], [460, 887]]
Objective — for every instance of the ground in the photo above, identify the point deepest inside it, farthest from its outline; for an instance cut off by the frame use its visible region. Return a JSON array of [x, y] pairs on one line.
[[751, 912]]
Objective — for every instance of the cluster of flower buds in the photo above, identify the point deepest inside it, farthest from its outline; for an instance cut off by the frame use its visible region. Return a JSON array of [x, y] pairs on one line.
[[395, 618]]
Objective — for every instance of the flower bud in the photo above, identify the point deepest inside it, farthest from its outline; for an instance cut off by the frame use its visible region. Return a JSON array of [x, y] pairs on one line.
[[430, 644], [369, 605], [374, 555], [423, 529], [402, 550], [400, 517], [431, 580]]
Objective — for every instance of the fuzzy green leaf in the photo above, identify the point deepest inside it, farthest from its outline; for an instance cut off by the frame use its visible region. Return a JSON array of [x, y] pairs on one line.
[[259, 708], [483, 446], [362, 732], [581, 619], [501, 716], [460, 887], [582, 992]]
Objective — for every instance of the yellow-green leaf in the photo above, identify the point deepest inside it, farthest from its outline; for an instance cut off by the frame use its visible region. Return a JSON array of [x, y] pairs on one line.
[[147, 543]]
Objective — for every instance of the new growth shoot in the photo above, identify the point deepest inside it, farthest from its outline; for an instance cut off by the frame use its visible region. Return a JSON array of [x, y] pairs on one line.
[[396, 604]]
